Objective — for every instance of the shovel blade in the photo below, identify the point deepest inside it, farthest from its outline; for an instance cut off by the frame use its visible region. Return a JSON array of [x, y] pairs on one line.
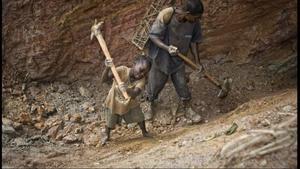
[[226, 87]]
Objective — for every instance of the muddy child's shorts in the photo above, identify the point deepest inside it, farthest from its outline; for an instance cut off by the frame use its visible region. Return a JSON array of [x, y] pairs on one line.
[[134, 115]]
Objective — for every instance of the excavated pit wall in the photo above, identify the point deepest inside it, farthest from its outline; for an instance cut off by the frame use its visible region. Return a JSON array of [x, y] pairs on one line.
[[50, 40]]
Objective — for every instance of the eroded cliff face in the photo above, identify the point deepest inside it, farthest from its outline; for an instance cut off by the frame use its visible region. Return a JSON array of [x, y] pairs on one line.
[[244, 30], [50, 40]]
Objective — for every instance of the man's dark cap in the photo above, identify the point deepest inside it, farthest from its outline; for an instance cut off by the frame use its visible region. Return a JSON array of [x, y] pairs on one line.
[[194, 7]]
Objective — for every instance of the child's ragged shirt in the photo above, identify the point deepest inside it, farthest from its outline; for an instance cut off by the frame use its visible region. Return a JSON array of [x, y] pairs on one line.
[[115, 100]]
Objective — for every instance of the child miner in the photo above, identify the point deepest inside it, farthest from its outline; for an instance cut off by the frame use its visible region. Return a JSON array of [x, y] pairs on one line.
[[117, 108]]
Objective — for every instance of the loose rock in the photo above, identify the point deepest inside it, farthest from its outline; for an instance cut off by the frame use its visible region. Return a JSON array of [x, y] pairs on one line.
[[41, 111], [84, 92], [88, 107], [91, 139], [76, 118], [24, 118], [78, 130], [33, 109], [263, 163], [39, 125], [8, 130], [17, 126], [50, 109], [6, 121], [20, 142], [287, 108], [71, 139], [59, 137], [67, 117], [52, 132]]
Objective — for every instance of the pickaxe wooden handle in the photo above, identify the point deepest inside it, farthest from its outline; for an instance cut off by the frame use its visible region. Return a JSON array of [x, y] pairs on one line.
[[195, 67], [95, 31]]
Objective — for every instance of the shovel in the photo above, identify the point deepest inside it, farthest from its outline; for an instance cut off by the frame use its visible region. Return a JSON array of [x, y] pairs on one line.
[[225, 87]]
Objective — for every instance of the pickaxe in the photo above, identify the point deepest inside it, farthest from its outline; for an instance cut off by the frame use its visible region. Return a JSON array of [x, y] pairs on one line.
[[225, 87], [95, 31]]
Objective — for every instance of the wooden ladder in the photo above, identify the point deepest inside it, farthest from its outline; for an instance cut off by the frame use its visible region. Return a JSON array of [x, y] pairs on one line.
[[141, 34]]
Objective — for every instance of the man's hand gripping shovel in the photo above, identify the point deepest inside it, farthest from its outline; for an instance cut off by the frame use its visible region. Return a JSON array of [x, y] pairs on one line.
[[95, 31], [225, 87]]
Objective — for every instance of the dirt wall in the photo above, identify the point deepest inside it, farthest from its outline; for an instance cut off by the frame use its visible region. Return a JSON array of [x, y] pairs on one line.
[[50, 40]]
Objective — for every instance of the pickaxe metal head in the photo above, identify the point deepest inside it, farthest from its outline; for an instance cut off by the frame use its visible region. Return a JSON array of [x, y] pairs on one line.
[[95, 29]]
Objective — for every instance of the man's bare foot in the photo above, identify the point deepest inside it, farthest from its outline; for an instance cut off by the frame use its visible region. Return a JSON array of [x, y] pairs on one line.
[[149, 113], [192, 115]]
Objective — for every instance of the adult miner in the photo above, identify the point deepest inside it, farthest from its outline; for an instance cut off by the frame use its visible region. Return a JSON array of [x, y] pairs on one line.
[[174, 30]]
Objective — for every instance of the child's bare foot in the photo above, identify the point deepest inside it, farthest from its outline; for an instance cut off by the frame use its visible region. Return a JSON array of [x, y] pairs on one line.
[[104, 140], [148, 135], [105, 136]]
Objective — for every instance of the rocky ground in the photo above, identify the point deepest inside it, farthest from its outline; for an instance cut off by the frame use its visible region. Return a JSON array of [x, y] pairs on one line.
[[189, 146], [56, 124]]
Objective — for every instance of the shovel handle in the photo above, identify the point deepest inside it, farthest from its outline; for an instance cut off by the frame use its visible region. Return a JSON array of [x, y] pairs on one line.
[[210, 78], [188, 61], [195, 67]]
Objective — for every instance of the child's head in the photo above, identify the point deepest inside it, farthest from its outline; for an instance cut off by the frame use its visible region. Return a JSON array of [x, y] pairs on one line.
[[141, 66]]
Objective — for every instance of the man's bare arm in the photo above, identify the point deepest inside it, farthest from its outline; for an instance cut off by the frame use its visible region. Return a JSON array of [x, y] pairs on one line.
[[173, 51], [159, 42], [194, 50]]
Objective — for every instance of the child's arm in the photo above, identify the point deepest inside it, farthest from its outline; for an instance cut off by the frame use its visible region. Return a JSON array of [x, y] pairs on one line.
[[133, 93], [107, 76]]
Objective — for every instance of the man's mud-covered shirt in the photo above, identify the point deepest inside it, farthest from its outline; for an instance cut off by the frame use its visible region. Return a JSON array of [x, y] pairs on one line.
[[172, 32]]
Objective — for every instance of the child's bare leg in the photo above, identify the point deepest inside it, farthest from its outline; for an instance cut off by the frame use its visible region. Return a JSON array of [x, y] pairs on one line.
[[106, 135]]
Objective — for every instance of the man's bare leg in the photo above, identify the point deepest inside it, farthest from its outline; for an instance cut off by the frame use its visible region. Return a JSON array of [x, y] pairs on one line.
[[142, 126]]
